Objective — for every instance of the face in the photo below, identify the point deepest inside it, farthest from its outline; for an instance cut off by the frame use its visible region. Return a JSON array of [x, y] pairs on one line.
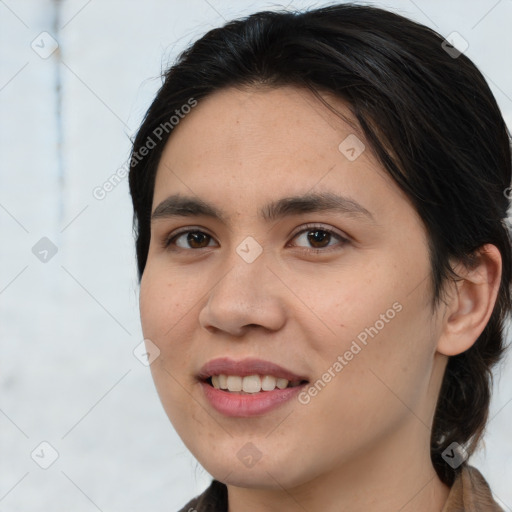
[[336, 293]]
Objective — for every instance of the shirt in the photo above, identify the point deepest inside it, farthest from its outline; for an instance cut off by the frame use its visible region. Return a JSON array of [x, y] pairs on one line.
[[470, 492]]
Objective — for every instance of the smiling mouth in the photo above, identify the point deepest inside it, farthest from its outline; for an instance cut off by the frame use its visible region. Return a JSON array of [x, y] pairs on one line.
[[250, 384]]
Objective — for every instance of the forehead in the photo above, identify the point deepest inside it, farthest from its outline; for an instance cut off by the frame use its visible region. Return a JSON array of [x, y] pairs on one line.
[[262, 117], [259, 142]]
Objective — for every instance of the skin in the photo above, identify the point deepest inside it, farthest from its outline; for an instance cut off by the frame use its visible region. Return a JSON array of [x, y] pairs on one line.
[[363, 442]]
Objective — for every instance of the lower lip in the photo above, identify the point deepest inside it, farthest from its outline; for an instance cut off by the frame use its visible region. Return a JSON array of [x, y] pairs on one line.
[[234, 404]]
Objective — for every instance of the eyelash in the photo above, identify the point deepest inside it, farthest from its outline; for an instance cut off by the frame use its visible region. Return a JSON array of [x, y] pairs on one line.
[[308, 227]]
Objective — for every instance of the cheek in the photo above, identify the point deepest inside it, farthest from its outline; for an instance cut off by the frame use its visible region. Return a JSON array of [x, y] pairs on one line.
[[375, 387], [166, 312], [163, 301], [352, 301], [379, 329], [389, 376]]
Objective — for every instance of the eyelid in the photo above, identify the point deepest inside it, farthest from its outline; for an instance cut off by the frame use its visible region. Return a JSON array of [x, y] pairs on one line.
[[320, 227]]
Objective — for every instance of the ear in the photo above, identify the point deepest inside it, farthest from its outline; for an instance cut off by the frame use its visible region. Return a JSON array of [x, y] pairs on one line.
[[470, 301]]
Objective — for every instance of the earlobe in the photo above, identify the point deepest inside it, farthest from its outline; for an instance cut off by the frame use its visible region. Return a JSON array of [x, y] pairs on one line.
[[471, 302]]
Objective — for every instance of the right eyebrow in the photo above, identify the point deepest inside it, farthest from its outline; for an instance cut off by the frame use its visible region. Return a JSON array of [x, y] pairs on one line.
[[184, 206]]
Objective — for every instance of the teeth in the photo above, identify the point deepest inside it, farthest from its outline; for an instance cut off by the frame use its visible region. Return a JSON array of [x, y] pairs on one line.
[[250, 383], [268, 383], [234, 383], [215, 381], [281, 383]]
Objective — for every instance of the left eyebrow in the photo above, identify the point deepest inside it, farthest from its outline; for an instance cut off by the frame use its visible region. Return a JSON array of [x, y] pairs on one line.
[[187, 206]]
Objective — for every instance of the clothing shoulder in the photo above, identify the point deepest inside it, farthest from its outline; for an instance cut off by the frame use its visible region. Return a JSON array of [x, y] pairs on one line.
[[213, 499], [471, 493]]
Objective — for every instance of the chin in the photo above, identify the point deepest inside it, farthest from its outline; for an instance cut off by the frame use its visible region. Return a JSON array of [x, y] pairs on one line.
[[269, 475], [254, 479]]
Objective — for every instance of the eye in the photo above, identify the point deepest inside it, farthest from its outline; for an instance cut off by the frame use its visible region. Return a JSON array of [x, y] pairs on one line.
[[188, 239], [319, 237]]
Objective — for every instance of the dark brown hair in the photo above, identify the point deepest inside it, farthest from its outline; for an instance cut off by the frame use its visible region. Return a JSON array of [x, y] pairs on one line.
[[427, 114]]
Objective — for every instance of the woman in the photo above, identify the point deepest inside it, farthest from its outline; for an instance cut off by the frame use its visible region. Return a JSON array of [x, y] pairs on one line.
[[324, 263]]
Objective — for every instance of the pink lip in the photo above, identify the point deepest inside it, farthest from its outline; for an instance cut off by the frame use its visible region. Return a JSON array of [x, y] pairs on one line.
[[243, 405], [234, 404], [244, 367]]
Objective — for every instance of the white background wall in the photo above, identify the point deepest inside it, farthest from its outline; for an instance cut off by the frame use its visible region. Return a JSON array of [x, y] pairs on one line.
[[68, 326]]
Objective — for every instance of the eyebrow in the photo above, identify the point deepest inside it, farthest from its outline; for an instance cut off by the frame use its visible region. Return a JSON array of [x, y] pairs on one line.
[[185, 206]]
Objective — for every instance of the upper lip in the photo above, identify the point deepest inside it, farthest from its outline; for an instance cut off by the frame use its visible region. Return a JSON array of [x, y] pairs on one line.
[[244, 367]]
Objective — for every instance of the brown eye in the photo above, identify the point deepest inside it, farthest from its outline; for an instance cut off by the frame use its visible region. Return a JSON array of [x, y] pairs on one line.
[[197, 239], [191, 239], [319, 238]]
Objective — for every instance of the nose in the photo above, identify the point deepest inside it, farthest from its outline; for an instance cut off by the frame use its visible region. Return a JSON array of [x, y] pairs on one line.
[[247, 295]]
